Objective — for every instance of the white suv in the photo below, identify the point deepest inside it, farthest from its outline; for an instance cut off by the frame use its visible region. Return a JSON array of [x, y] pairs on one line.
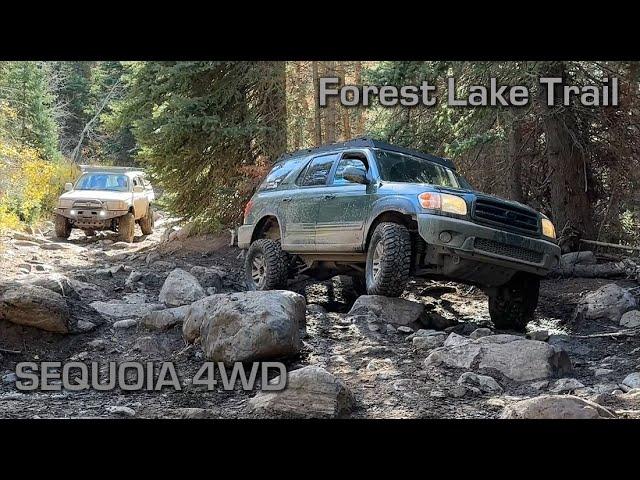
[[106, 198]]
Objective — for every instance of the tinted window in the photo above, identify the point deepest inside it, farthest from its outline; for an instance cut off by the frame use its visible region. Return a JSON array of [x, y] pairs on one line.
[[279, 173], [395, 167], [103, 181], [345, 163], [317, 171]]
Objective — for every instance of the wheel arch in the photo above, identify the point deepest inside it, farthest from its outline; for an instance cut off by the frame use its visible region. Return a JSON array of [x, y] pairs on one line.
[[268, 226], [394, 215]]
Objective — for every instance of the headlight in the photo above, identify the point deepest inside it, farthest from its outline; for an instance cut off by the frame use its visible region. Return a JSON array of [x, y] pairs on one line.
[[548, 230], [116, 205], [443, 202]]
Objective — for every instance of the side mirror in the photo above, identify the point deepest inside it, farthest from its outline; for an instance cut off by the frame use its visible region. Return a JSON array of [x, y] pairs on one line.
[[355, 175], [138, 189], [68, 187]]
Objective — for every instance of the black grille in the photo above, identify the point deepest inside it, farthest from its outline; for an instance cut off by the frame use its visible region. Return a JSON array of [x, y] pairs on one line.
[[500, 213], [87, 204], [497, 248]]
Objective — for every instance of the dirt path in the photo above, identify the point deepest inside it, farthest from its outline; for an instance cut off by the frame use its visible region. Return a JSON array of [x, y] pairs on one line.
[[384, 371]]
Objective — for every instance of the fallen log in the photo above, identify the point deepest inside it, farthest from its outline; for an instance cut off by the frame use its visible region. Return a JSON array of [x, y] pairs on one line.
[[611, 245]]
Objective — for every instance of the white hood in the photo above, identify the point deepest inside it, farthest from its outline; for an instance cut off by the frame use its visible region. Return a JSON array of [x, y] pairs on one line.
[[103, 195]]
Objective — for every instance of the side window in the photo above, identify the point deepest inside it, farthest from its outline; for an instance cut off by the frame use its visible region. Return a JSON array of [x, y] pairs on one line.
[[279, 173], [345, 163], [317, 171], [136, 182]]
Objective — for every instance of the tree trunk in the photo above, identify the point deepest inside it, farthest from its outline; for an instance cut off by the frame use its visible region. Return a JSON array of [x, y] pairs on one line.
[[570, 205], [359, 130], [345, 134], [276, 102], [316, 93], [331, 108], [516, 147]]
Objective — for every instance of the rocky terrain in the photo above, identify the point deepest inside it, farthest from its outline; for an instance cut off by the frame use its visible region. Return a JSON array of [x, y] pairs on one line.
[[431, 354]]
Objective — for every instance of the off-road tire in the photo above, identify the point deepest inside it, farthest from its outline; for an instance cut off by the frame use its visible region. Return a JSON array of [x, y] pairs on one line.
[[62, 227], [394, 262], [126, 228], [147, 223], [276, 265], [512, 305]]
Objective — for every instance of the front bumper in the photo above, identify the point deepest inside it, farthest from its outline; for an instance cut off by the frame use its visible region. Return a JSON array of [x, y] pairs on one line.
[[85, 217], [489, 245]]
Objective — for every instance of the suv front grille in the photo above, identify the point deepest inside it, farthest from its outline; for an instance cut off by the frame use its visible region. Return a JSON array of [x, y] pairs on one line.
[[502, 249], [500, 213], [90, 204]]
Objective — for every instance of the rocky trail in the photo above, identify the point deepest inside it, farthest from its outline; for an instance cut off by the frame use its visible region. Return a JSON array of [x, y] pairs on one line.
[[431, 354]]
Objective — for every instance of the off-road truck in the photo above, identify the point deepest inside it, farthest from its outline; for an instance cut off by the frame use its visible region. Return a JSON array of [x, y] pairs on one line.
[[106, 198], [382, 214]]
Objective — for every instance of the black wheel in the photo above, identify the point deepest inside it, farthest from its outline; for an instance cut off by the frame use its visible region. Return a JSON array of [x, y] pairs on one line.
[[512, 305], [62, 227], [388, 260], [266, 265], [147, 222], [126, 228]]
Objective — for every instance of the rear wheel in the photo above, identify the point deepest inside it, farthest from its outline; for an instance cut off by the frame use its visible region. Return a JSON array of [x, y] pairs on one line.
[[388, 260], [266, 265], [147, 222], [126, 228], [62, 227], [512, 305]]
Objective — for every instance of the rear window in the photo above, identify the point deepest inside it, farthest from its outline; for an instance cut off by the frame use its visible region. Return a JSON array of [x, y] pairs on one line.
[[279, 173]]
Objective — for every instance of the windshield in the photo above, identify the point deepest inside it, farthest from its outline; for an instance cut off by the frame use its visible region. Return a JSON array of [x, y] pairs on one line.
[[397, 167], [103, 181]]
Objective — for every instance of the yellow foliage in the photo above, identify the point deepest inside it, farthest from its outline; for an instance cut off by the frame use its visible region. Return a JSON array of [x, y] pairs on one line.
[[29, 185]]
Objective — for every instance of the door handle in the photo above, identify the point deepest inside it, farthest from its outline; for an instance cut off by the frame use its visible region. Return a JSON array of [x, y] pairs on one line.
[[329, 196], [287, 199]]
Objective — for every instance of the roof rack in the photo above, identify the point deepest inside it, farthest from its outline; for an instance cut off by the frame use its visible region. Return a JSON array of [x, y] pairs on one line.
[[367, 142], [107, 169]]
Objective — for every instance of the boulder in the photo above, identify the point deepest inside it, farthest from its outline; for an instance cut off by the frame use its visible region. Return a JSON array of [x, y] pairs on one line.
[[62, 285], [180, 288], [484, 383], [512, 356], [631, 319], [119, 310], [632, 380], [555, 407], [35, 307], [396, 311], [246, 326], [311, 392], [208, 277], [607, 303], [578, 258], [428, 342], [164, 319], [480, 332], [566, 385]]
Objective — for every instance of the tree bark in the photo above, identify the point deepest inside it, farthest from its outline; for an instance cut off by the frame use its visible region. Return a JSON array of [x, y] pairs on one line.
[[316, 112], [344, 112], [331, 108], [570, 205], [359, 130], [516, 146], [276, 102]]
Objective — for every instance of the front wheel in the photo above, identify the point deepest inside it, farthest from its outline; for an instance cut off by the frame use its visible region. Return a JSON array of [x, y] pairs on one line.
[[62, 227], [388, 260], [512, 305], [265, 265], [126, 228], [147, 222]]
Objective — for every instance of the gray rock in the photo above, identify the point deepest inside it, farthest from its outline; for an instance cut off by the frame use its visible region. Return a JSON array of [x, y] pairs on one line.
[[632, 380], [35, 307], [484, 383], [403, 329], [316, 309], [133, 278], [555, 407], [539, 335], [194, 413], [208, 277], [630, 319], [428, 342], [578, 258], [118, 410], [602, 372], [512, 356], [246, 326], [311, 392], [83, 326], [397, 311], [9, 378], [122, 324], [97, 344], [55, 246], [151, 346], [607, 303], [119, 310], [566, 385], [454, 340], [480, 332], [164, 319], [180, 288]]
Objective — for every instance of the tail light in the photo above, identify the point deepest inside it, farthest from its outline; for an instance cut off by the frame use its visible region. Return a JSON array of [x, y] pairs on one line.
[[247, 208]]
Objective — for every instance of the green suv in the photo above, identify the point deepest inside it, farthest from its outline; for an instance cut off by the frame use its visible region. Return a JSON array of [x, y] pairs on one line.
[[382, 214]]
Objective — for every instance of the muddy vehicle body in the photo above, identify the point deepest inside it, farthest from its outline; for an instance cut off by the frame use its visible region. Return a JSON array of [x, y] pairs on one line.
[[106, 198], [382, 214]]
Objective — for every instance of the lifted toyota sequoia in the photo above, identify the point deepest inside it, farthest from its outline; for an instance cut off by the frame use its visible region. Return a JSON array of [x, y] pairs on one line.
[[382, 214]]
